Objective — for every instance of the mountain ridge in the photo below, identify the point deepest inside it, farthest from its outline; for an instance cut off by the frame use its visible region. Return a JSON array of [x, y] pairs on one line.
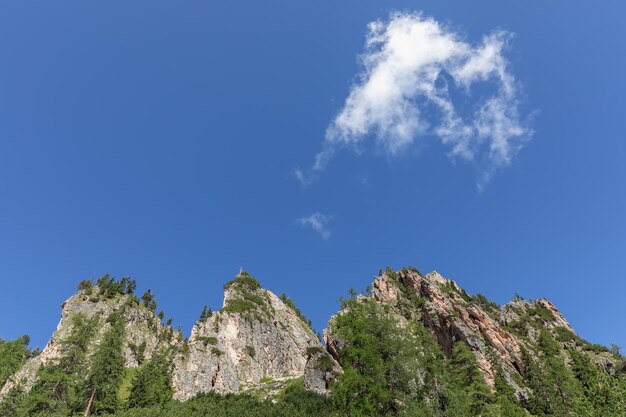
[[260, 344]]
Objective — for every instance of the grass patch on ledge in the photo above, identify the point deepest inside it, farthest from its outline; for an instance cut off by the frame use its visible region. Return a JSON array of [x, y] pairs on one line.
[[244, 281], [249, 300]]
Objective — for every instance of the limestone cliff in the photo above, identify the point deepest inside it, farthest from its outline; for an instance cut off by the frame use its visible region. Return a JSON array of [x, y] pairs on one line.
[[255, 342], [254, 338], [259, 343], [144, 332]]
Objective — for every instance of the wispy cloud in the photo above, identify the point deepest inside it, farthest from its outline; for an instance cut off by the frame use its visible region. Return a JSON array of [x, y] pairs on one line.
[[318, 222], [421, 79]]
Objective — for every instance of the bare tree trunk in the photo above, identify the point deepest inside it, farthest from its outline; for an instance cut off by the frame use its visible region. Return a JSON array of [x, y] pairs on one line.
[[90, 403]]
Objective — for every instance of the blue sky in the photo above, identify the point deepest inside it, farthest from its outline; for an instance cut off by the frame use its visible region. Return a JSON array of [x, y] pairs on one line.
[[160, 140]]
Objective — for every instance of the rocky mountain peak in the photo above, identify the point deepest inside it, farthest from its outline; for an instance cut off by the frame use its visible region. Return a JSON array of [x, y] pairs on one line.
[[89, 312], [421, 331], [496, 335], [255, 338]]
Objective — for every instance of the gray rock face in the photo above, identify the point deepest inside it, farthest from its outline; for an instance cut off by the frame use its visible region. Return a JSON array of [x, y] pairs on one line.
[[142, 327], [321, 369], [254, 337], [255, 342]]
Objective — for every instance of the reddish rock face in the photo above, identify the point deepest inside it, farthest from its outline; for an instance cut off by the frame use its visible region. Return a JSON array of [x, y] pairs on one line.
[[452, 316], [559, 320]]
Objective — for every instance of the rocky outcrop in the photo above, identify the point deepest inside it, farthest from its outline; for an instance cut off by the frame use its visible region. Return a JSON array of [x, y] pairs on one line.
[[558, 319], [143, 329], [320, 371], [453, 316], [256, 342], [260, 343], [255, 337]]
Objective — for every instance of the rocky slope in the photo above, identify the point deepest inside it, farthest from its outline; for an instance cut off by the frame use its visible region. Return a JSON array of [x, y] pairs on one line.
[[260, 343], [496, 335], [144, 332], [254, 339], [257, 342]]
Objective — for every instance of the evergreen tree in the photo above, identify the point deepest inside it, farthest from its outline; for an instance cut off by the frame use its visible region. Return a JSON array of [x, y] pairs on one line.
[[205, 314], [380, 362], [12, 355], [152, 384], [147, 297], [10, 404], [128, 285], [605, 394], [507, 404], [57, 386], [107, 370], [469, 392], [84, 285], [555, 391]]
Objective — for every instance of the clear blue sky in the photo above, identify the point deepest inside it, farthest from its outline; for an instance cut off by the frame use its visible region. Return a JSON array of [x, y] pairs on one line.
[[159, 140]]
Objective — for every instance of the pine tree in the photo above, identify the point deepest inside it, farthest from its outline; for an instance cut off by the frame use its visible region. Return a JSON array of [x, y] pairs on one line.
[[469, 392], [147, 297], [10, 404], [379, 359], [605, 394], [555, 391], [12, 355], [57, 386], [152, 384], [107, 369]]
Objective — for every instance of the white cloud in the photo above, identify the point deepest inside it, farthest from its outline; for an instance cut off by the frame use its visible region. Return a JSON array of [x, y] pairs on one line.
[[419, 80], [318, 222]]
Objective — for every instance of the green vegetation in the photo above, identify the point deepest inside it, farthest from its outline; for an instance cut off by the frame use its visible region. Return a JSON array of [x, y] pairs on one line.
[[59, 386], [313, 350], [107, 369], [248, 300], [148, 300], [542, 312], [205, 314], [13, 354], [250, 351], [410, 305], [392, 366], [208, 340], [324, 361], [89, 377], [295, 401], [394, 370], [489, 306], [555, 390], [289, 303], [244, 282], [581, 389], [152, 384], [110, 288], [247, 303], [379, 361], [138, 351], [123, 392]]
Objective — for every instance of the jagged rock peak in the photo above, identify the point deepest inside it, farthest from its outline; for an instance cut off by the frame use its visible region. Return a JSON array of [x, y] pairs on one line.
[[452, 315], [255, 338], [90, 309]]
